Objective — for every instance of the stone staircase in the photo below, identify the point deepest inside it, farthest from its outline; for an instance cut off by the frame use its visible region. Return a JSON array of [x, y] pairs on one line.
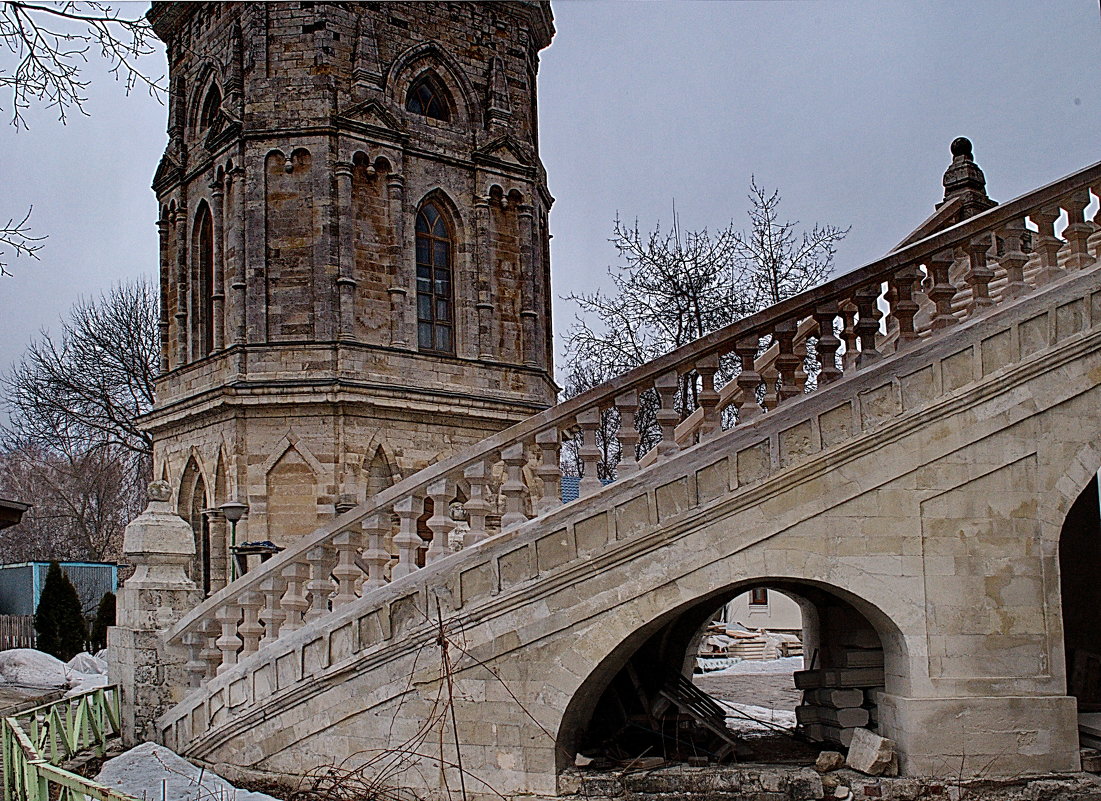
[[350, 597]]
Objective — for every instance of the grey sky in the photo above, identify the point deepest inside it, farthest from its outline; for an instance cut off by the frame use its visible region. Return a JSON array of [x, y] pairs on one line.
[[847, 107]]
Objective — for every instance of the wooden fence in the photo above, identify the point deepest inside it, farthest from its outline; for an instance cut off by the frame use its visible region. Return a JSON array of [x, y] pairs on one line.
[[17, 631]]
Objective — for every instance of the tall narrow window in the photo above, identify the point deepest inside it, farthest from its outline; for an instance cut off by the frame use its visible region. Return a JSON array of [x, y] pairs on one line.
[[204, 254], [434, 313], [428, 97]]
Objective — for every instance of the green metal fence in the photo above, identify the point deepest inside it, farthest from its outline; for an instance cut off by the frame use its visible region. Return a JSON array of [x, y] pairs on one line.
[[36, 740]]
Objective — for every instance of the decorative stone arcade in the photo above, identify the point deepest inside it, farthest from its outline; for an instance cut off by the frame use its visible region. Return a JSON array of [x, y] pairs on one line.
[[353, 253]]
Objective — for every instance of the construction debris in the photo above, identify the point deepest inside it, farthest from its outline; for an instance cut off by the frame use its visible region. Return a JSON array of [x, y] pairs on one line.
[[871, 754], [829, 761]]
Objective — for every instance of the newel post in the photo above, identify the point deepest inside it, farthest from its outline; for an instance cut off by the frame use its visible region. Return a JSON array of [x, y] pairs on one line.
[[152, 677]]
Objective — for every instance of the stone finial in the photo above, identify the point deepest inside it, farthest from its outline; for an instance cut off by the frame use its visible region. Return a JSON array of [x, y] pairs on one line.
[[965, 180], [499, 105], [159, 543], [366, 72]]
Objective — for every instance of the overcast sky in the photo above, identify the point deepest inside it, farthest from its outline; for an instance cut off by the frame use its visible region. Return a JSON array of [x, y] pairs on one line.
[[847, 107]]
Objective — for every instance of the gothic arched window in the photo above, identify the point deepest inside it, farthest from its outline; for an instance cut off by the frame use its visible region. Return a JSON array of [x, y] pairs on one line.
[[428, 97], [435, 322], [204, 268], [211, 104]]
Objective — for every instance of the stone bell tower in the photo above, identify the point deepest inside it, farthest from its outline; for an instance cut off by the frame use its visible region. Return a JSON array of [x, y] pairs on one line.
[[353, 252]]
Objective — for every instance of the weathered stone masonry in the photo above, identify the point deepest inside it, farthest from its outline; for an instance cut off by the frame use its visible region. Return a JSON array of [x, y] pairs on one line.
[[294, 376]]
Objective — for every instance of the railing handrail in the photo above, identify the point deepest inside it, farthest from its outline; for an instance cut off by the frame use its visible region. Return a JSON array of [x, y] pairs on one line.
[[33, 771], [760, 323]]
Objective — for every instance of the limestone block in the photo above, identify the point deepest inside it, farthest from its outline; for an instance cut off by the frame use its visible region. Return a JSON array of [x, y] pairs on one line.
[[848, 718], [869, 753], [837, 698], [828, 761]]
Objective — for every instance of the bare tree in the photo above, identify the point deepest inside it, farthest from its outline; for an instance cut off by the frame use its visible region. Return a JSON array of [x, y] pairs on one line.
[[49, 45], [674, 287], [80, 502], [85, 387], [73, 447]]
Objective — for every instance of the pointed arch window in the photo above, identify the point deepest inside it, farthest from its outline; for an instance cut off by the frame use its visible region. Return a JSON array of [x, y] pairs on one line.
[[435, 322], [211, 105], [204, 268], [428, 98]]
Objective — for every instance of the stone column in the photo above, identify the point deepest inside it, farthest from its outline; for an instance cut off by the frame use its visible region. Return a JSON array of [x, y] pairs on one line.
[[160, 545], [483, 269], [399, 308], [218, 288], [529, 345], [236, 227], [164, 226], [182, 337], [345, 282]]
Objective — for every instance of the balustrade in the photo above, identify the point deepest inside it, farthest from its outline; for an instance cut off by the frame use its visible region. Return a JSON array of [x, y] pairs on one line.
[[683, 397]]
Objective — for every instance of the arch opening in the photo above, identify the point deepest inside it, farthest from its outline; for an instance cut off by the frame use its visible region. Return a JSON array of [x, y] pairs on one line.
[[651, 697], [1080, 592], [193, 505]]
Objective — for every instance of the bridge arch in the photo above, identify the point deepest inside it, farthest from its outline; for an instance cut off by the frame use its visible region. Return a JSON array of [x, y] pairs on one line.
[[650, 653]]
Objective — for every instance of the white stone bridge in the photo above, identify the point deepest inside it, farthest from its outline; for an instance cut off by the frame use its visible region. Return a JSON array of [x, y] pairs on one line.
[[920, 492]]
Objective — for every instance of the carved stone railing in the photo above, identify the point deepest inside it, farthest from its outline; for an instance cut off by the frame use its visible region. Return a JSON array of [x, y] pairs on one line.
[[916, 291]]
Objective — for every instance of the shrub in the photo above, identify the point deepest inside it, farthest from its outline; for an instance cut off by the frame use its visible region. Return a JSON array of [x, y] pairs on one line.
[[59, 619]]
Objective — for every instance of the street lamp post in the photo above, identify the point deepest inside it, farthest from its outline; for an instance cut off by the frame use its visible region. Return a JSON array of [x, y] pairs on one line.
[[234, 511]]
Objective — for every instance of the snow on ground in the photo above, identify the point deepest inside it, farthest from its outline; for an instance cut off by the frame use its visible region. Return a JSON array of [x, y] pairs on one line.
[[758, 667], [28, 668], [33, 671], [750, 718], [151, 772]]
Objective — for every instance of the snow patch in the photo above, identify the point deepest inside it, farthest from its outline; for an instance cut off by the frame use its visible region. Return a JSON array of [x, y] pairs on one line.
[[751, 718], [152, 772], [28, 668]]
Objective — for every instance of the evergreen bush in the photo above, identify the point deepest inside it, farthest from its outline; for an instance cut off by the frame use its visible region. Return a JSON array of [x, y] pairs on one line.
[[105, 617], [59, 619]]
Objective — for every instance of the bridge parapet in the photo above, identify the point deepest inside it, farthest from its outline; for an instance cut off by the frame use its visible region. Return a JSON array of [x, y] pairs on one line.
[[733, 377]]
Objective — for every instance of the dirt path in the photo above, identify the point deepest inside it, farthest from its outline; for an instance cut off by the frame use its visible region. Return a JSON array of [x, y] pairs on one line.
[[771, 690]]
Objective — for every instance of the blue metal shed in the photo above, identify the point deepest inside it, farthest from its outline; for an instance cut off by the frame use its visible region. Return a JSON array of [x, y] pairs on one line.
[[21, 584]]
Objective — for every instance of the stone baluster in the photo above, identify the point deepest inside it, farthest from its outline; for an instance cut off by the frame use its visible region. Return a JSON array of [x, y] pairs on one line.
[[588, 452], [828, 343], [320, 586], [548, 470], [346, 572], [787, 362], [250, 629], [1013, 259], [376, 527], [1095, 237], [708, 398], [1078, 230], [748, 379], [769, 376], [229, 617], [210, 653], [979, 275], [1047, 244], [195, 666], [407, 540], [478, 505], [800, 351], [904, 308], [272, 614], [442, 492], [627, 406], [667, 386], [294, 602], [849, 336], [867, 325], [515, 457], [942, 291]]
